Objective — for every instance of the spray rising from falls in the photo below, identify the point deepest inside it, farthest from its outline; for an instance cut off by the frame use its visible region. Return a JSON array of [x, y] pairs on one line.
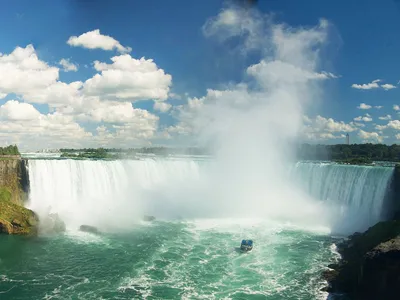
[[116, 194]]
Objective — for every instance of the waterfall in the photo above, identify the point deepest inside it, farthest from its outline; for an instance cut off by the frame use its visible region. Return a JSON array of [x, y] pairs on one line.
[[118, 193], [357, 193], [101, 192]]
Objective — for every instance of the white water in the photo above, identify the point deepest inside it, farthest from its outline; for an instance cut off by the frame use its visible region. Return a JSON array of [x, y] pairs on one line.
[[116, 194], [356, 194]]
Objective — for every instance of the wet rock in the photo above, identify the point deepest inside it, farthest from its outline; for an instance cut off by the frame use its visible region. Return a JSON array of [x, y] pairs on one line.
[[88, 228], [6, 227], [370, 264], [149, 218], [52, 223], [17, 223]]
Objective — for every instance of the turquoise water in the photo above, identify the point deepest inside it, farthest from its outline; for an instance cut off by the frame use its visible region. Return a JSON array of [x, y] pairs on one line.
[[169, 260]]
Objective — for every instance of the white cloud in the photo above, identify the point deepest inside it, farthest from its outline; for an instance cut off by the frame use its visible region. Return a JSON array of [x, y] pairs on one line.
[[34, 81], [56, 94], [114, 112], [372, 85], [357, 124], [13, 110], [397, 136], [366, 118], [174, 96], [380, 127], [370, 136], [130, 79], [21, 123], [396, 107], [95, 40], [22, 72], [322, 128], [330, 125], [388, 86], [68, 66], [395, 124], [162, 106], [387, 117], [364, 106]]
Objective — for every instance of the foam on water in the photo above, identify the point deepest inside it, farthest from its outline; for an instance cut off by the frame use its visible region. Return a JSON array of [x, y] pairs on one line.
[[206, 264]]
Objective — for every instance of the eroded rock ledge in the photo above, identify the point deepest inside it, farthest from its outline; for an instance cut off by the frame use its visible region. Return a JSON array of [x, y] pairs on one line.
[[370, 264]]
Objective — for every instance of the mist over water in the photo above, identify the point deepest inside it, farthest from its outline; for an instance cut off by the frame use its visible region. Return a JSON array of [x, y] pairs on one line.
[[251, 127]]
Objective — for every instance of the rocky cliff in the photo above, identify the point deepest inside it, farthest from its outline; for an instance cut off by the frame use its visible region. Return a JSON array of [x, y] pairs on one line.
[[370, 264], [14, 178], [14, 218]]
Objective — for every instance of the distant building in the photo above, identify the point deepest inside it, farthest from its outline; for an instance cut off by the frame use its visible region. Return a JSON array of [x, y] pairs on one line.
[[347, 139]]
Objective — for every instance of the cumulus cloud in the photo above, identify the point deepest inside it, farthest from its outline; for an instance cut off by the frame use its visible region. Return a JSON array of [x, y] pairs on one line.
[[370, 136], [366, 118], [396, 107], [364, 106], [22, 123], [380, 127], [95, 40], [130, 79], [23, 72], [387, 117], [395, 124], [162, 106], [388, 86], [68, 66], [104, 98], [13, 110]]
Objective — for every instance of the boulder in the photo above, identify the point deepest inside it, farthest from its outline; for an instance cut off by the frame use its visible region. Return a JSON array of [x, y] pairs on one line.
[[149, 218], [370, 264], [88, 228], [52, 223]]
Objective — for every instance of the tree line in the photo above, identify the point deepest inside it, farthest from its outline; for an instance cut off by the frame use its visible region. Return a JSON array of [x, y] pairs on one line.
[[353, 152], [9, 150], [143, 150]]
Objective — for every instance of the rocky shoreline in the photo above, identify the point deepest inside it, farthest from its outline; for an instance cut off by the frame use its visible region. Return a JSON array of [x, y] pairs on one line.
[[369, 267]]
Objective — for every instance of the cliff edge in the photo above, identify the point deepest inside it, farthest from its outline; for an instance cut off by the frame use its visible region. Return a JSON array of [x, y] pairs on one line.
[[370, 264], [14, 218]]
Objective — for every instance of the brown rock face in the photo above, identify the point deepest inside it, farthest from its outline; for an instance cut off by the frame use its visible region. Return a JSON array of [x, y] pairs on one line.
[[16, 219], [5, 227]]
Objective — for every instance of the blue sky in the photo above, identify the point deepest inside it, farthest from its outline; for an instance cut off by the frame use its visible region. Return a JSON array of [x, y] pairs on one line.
[[362, 46]]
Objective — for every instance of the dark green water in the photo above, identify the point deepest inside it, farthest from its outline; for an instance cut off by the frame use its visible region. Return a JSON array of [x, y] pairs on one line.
[[168, 260]]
